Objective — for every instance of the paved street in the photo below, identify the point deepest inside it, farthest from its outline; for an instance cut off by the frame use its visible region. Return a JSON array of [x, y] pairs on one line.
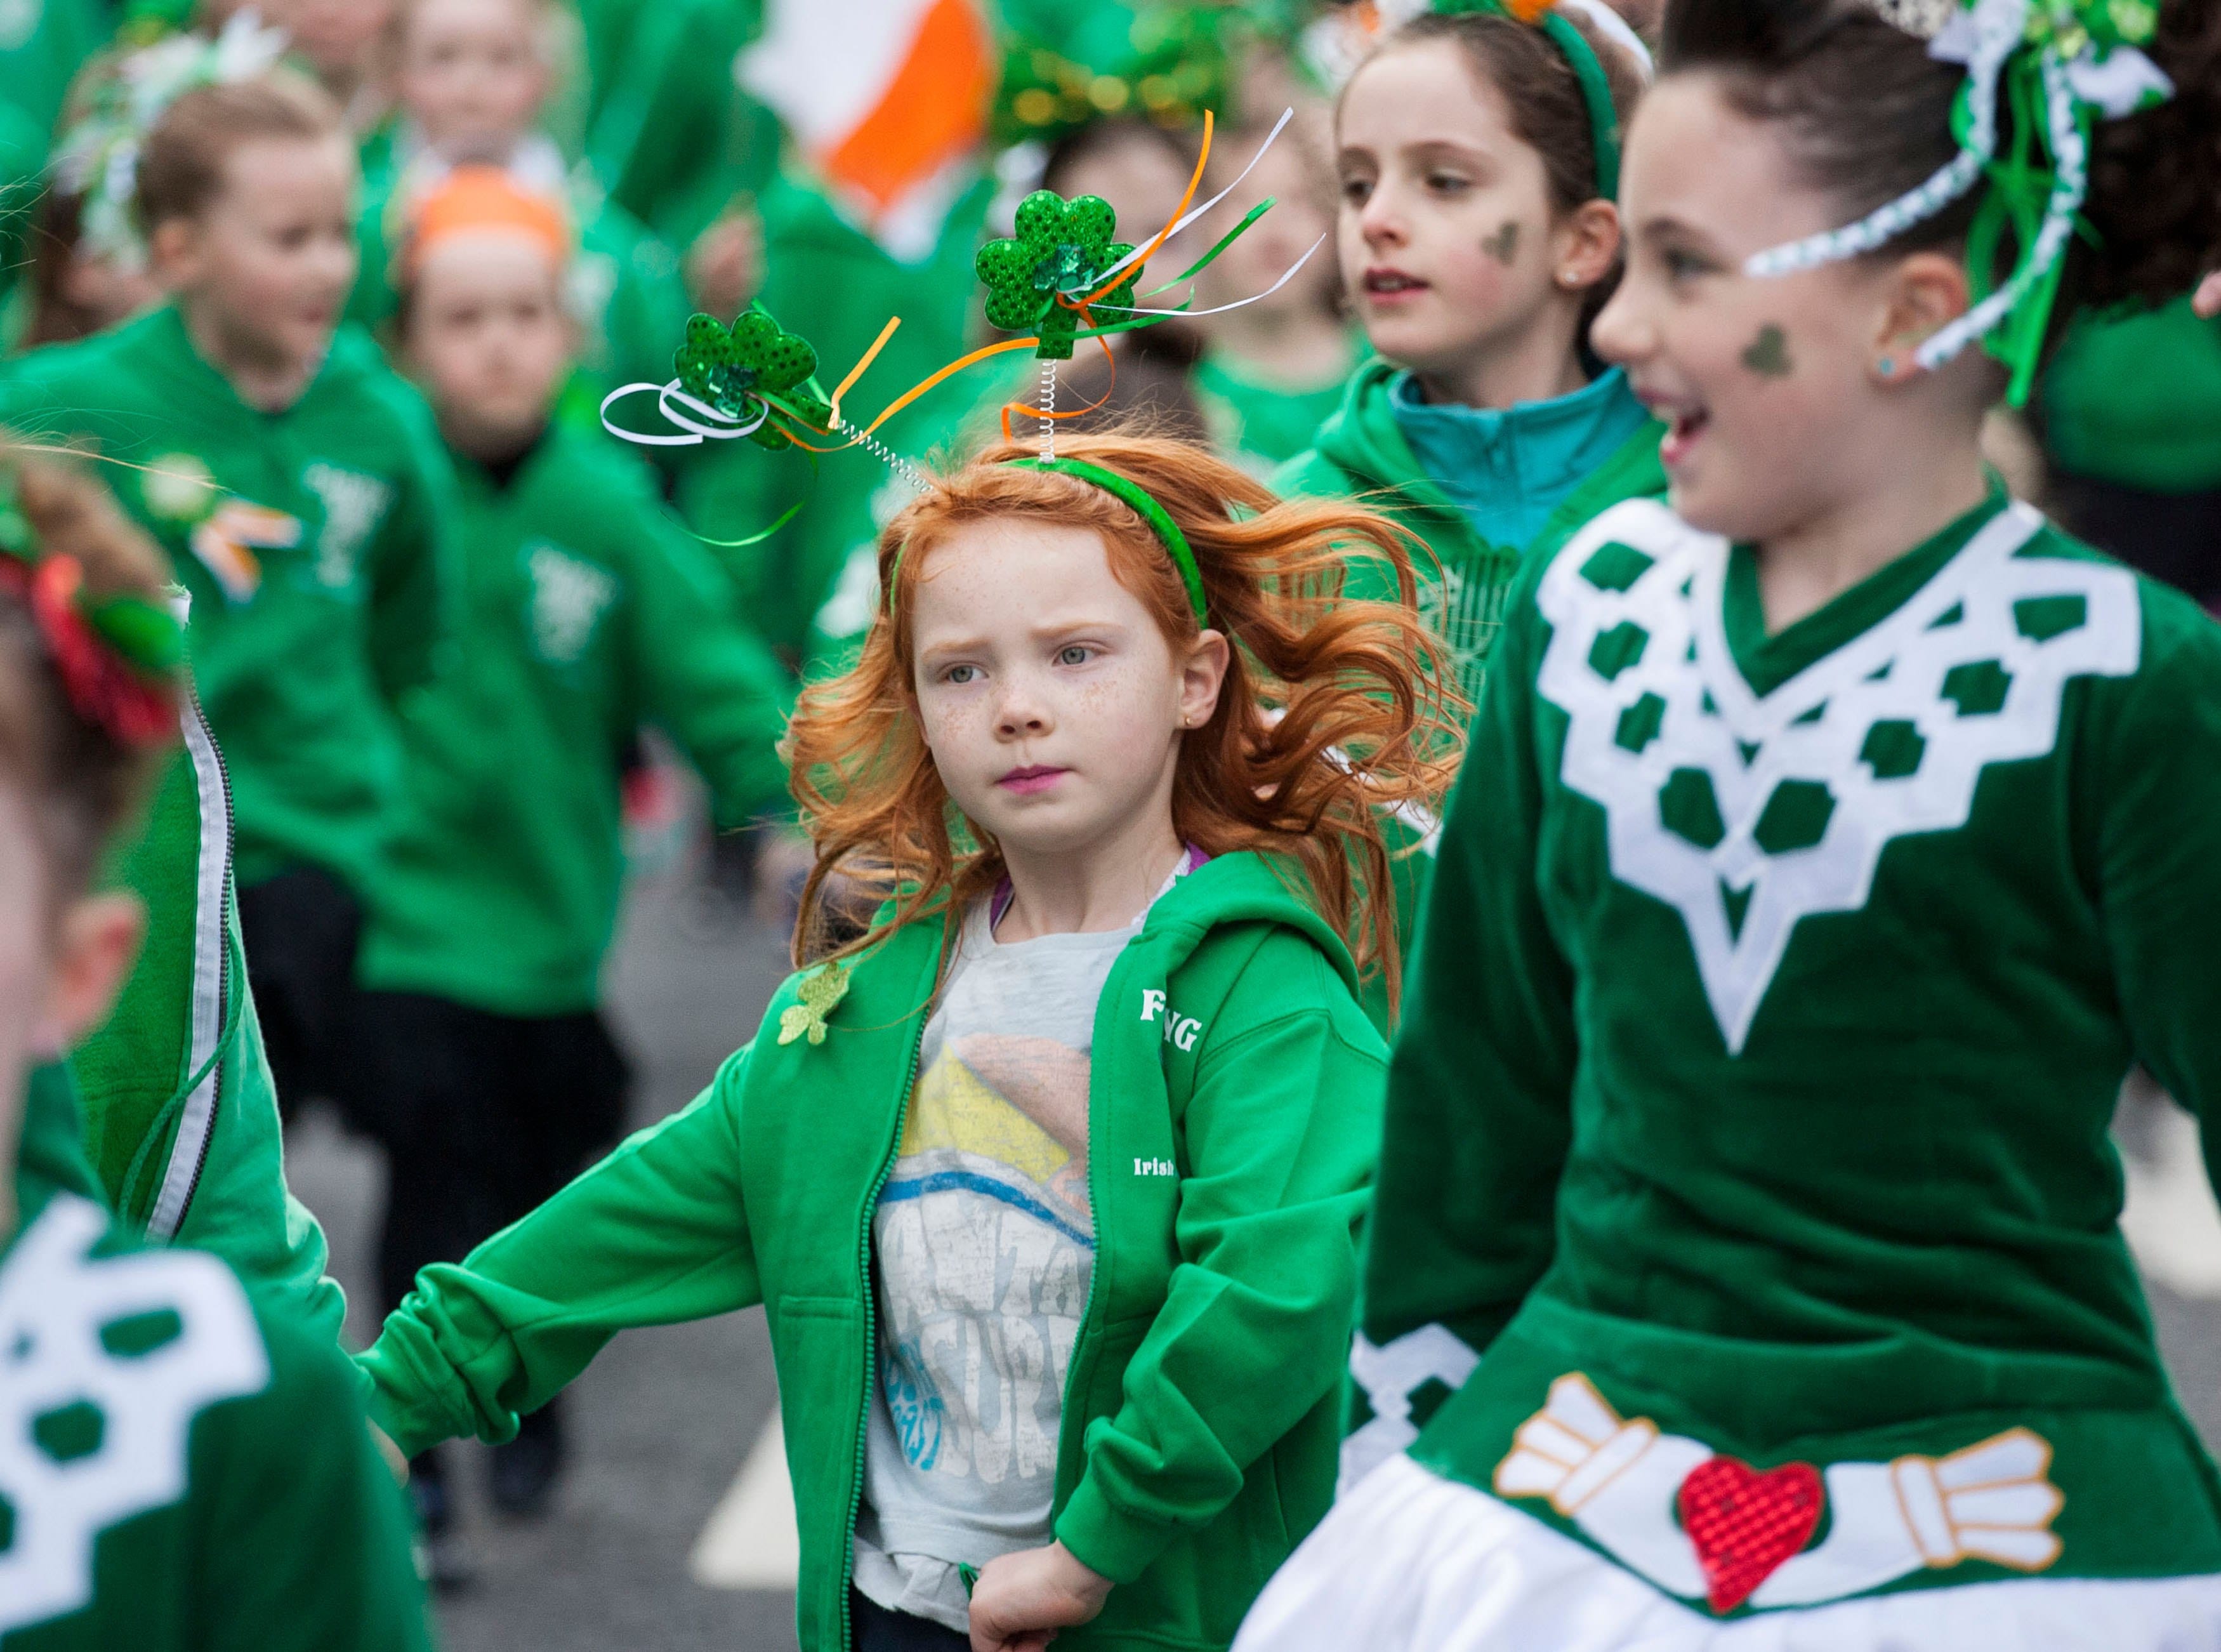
[[664, 1423]]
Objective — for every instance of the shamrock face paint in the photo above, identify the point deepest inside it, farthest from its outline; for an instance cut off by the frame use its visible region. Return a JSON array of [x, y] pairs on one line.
[[1503, 245], [1062, 250], [1768, 354]]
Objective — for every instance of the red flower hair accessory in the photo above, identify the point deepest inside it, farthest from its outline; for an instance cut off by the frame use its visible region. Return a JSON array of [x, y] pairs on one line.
[[117, 659]]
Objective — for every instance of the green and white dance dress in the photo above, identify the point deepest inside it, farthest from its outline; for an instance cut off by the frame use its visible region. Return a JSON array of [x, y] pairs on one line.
[[1745, 1271]]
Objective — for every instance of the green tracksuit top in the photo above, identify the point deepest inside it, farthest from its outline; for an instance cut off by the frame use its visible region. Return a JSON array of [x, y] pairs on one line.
[[311, 541], [180, 1117], [205, 1482], [1232, 1120], [586, 611], [1361, 455], [1770, 1012]]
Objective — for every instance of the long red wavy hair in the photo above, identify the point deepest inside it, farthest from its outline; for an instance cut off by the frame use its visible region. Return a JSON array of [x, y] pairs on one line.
[[1334, 713]]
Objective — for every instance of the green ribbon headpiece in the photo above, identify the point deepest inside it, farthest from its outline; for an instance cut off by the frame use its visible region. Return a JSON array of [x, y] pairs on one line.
[[1130, 493], [1133, 493]]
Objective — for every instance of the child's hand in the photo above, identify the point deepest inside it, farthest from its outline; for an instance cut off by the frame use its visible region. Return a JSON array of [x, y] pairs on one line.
[[390, 1452], [1021, 1600], [725, 265], [2208, 302]]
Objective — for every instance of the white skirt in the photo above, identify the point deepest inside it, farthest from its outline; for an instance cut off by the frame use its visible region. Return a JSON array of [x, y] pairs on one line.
[[1409, 1562]]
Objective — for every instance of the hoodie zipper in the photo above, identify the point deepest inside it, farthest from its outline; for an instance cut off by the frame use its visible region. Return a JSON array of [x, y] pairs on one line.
[[871, 1333], [174, 1198]]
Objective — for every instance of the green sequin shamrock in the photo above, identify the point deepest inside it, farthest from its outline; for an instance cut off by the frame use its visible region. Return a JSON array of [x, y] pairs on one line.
[[730, 368], [1062, 248], [819, 994], [2072, 26]]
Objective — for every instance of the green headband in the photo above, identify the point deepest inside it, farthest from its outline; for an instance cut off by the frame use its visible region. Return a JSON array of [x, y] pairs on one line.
[[1128, 492], [1148, 509], [1588, 69]]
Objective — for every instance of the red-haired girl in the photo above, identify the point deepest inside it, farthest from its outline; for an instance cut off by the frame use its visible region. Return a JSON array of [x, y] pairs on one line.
[[1048, 1180]]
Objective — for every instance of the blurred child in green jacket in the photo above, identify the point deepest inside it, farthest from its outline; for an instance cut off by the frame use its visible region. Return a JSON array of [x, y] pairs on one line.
[[473, 77], [299, 489], [584, 612], [202, 1480]]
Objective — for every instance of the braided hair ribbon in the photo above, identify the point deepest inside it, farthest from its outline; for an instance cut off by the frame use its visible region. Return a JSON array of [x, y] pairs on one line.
[[2060, 67]]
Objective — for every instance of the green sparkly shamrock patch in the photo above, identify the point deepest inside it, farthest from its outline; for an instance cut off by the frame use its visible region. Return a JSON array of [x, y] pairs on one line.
[[819, 993], [732, 368], [1062, 249]]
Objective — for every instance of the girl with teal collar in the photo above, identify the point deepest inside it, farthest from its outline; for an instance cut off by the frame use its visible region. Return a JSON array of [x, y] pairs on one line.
[[1477, 156], [1049, 1182]]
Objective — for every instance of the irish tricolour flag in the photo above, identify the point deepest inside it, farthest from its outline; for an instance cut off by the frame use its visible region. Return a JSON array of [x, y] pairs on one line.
[[889, 97]]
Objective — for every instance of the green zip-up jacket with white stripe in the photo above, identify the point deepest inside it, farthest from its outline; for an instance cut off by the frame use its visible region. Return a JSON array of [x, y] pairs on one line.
[[204, 1480], [179, 1115], [1199, 1426]]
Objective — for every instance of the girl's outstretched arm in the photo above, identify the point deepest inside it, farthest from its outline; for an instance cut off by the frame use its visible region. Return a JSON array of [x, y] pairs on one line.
[[654, 1235]]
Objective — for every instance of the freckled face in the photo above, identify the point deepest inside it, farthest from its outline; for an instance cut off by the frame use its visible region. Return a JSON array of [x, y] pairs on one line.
[[1765, 381], [1444, 209], [1050, 699]]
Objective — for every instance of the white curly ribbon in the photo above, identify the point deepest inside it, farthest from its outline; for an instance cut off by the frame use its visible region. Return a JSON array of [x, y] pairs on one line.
[[697, 419], [1984, 39], [1997, 28], [2070, 154]]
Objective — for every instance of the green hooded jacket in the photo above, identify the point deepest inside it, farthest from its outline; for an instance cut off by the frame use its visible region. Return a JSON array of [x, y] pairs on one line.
[[180, 1117], [1199, 1423], [584, 612], [223, 1495], [1360, 455], [311, 541]]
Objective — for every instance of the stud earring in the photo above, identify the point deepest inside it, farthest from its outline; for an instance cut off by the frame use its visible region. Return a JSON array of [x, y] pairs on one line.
[[1888, 366]]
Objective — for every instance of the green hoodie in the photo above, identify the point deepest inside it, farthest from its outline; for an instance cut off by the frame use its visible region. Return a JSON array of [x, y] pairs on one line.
[[208, 1484], [1360, 455], [1199, 1434], [310, 541], [584, 612], [179, 1113]]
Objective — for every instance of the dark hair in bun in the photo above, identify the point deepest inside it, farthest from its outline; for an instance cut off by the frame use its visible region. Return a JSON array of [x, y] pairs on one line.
[[1867, 117]]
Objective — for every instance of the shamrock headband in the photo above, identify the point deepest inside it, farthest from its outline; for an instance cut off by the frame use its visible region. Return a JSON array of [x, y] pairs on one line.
[[1134, 494], [2062, 65], [1128, 492], [118, 657], [97, 157], [1547, 16]]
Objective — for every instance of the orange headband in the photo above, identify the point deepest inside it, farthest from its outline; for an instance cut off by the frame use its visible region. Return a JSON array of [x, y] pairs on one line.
[[480, 197]]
